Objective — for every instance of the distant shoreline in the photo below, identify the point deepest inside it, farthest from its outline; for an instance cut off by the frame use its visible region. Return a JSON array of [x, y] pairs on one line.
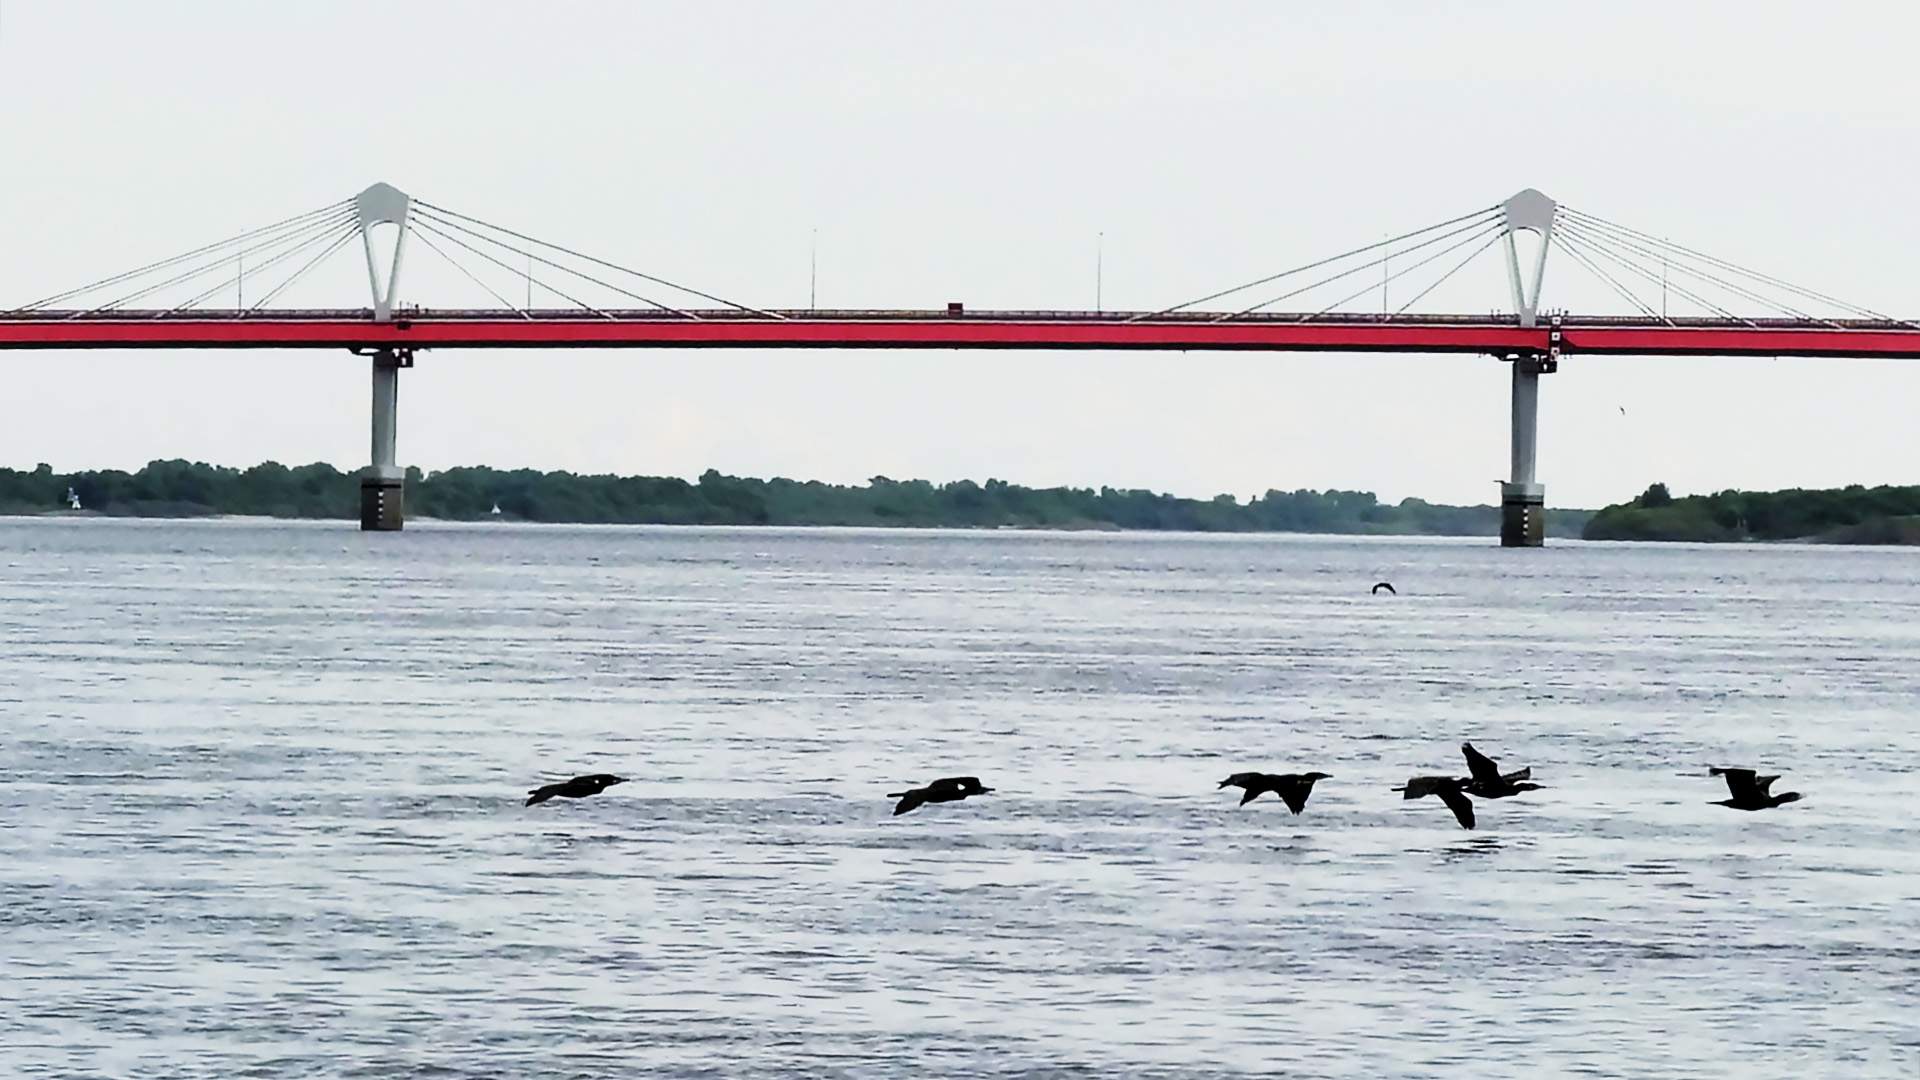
[[1880, 516], [413, 519], [186, 490]]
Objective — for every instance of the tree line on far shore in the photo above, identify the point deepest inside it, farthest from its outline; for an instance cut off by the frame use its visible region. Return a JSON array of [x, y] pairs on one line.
[[1855, 515], [190, 489]]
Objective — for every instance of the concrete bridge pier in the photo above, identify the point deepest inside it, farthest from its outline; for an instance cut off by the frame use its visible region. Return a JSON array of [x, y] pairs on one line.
[[383, 485], [1523, 499]]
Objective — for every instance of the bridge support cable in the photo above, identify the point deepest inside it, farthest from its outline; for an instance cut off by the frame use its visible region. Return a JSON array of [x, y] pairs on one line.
[[424, 224], [1593, 268], [222, 249], [443, 214], [1493, 238], [345, 237], [455, 263], [328, 240], [1488, 236], [1625, 262], [446, 229], [1681, 253], [1706, 279], [1377, 263], [265, 252], [1471, 220]]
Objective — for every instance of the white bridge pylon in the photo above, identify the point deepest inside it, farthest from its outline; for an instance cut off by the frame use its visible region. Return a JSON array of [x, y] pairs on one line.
[[384, 204], [1532, 212], [382, 487], [1523, 498]]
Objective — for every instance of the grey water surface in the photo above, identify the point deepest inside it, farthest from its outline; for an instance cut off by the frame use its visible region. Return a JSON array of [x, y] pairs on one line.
[[261, 784]]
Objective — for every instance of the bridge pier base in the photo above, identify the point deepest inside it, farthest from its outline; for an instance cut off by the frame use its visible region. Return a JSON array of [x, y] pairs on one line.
[[1523, 500], [383, 485], [1523, 515]]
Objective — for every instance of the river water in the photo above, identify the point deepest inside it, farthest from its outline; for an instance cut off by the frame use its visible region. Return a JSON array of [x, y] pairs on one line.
[[261, 786]]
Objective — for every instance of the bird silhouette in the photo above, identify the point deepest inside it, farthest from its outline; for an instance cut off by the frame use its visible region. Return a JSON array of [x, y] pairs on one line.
[[1488, 782], [1749, 791], [1293, 788], [577, 788], [946, 789], [1451, 790], [1387, 585]]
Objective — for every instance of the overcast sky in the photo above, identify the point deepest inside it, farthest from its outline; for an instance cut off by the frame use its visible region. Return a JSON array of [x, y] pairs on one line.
[[974, 152]]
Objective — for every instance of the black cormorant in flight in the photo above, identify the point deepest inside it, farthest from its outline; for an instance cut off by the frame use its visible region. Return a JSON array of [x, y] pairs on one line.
[[948, 789], [1451, 790], [577, 788], [1750, 791], [1488, 782], [1387, 585], [1293, 788]]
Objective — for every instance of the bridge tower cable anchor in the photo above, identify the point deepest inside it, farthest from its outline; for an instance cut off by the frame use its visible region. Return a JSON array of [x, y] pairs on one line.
[[1523, 498], [383, 485]]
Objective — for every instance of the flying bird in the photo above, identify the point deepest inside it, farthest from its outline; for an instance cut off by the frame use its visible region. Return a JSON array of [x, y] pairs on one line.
[[1750, 791], [1293, 788], [1387, 585], [1451, 790], [946, 789], [1488, 782], [577, 788]]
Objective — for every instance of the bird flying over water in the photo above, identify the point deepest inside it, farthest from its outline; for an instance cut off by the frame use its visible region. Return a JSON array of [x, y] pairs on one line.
[[577, 788], [1451, 790], [1293, 788], [1749, 791], [946, 789], [1488, 782], [1387, 585]]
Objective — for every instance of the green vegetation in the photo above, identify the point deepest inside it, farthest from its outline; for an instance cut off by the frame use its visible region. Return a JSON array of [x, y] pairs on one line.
[[188, 489], [1850, 515]]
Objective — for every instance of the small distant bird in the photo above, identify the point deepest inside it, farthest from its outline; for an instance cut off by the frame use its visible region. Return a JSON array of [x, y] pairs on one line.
[[1387, 585], [1293, 788], [1750, 791], [1488, 781], [577, 788], [947, 789], [1451, 790]]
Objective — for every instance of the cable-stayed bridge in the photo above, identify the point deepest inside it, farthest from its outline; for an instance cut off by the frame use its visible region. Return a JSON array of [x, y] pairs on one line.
[[198, 299]]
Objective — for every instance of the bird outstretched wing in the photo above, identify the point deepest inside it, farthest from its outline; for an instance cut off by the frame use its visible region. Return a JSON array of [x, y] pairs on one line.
[[1254, 791], [1418, 787], [542, 794], [1740, 782], [1461, 806], [1484, 769], [909, 800]]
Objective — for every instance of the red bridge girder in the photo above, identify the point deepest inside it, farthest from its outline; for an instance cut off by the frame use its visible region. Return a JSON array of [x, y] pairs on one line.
[[1599, 336]]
